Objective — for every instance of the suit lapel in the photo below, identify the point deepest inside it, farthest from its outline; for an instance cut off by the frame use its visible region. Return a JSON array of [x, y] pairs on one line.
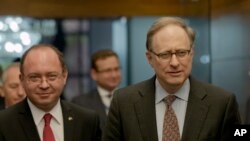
[[145, 110], [100, 104], [196, 112], [68, 120], [27, 122], [100, 108]]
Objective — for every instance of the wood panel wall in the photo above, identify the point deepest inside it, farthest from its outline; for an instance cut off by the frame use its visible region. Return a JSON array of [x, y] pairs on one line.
[[114, 8]]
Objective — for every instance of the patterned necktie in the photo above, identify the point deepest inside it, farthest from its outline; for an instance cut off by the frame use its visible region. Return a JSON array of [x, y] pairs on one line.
[[47, 131], [170, 126]]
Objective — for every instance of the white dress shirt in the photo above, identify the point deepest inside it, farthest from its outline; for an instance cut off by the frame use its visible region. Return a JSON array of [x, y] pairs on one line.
[[106, 99], [179, 105], [56, 122]]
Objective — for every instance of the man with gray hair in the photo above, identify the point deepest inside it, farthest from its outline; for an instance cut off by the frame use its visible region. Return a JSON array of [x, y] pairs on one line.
[[12, 87], [172, 105]]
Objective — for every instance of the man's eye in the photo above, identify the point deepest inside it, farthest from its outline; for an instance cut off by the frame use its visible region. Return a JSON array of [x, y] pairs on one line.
[[52, 77], [181, 53], [34, 78], [13, 86], [164, 55]]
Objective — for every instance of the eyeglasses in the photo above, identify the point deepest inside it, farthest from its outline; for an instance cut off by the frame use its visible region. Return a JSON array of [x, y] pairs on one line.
[[38, 79], [109, 70], [182, 53]]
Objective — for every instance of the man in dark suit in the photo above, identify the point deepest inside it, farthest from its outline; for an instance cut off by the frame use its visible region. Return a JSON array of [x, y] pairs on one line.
[[105, 71], [1, 103], [198, 112], [42, 114]]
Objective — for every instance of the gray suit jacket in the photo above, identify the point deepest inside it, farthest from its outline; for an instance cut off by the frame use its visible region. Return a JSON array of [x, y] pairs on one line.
[[92, 100], [210, 113], [17, 124]]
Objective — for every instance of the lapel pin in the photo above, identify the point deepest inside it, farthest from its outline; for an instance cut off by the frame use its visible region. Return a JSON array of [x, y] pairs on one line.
[[70, 118]]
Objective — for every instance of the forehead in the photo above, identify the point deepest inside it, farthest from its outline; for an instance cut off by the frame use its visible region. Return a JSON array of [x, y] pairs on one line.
[[171, 31], [11, 75], [13, 71], [171, 36], [41, 59], [108, 62]]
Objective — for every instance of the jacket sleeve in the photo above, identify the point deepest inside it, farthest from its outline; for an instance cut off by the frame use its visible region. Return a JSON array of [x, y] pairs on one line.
[[231, 118]]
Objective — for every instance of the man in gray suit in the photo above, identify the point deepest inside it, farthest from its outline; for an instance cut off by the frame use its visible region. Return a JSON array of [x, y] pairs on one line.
[[106, 72], [201, 112], [42, 114]]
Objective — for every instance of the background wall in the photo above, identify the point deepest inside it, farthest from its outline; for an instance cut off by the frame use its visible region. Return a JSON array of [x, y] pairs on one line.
[[231, 55]]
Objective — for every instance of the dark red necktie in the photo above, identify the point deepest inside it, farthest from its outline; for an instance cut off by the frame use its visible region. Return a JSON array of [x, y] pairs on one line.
[[47, 131]]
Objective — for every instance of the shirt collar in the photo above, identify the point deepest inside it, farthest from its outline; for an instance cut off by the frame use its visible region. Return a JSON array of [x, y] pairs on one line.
[[182, 93], [38, 114], [103, 92]]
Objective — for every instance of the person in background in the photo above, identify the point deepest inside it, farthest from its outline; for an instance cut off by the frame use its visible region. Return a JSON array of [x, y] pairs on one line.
[[247, 112], [106, 72], [12, 87], [1, 90], [42, 116], [172, 105]]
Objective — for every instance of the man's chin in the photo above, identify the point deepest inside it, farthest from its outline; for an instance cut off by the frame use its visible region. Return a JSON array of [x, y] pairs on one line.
[[176, 81]]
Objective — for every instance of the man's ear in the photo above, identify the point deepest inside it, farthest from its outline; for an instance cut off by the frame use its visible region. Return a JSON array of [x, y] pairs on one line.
[[20, 77], [93, 74], [65, 75], [149, 58]]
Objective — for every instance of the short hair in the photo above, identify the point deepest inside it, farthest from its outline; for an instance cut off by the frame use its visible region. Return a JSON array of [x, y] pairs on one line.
[[4, 74], [165, 21], [37, 46], [101, 54]]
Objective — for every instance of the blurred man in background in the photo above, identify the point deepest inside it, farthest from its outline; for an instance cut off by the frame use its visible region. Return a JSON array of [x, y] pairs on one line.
[[1, 89], [12, 87], [106, 72]]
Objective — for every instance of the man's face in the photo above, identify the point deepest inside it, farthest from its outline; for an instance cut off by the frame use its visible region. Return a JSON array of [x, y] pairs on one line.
[[12, 88], [43, 78], [108, 73], [171, 72]]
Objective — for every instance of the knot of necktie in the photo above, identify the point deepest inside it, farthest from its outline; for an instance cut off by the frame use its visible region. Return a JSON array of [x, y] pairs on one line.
[[169, 99], [109, 95], [47, 118]]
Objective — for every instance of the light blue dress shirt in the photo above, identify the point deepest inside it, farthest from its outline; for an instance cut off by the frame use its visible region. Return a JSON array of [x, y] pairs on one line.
[[179, 105]]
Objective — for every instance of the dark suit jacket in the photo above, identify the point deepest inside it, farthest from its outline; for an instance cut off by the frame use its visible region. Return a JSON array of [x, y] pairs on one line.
[[2, 103], [247, 118], [210, 113], [92, 100], [17, 124]]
